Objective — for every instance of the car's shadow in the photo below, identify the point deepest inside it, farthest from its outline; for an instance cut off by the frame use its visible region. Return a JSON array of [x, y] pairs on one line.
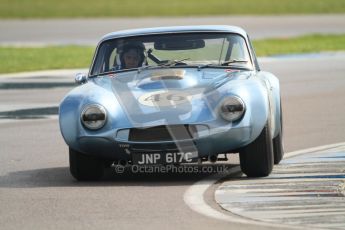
[[61, 177]]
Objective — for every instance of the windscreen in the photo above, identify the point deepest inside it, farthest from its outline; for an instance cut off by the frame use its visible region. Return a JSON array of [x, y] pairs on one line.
[[191, 49]]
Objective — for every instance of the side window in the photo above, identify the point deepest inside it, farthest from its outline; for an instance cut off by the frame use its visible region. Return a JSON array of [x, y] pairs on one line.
[[112, 59], [98, 66], [103, 62], [254, 55]]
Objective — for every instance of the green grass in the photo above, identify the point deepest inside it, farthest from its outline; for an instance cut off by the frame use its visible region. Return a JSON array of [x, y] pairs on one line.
[[60, 57], [303, 44], [15, 59], [138, 8]]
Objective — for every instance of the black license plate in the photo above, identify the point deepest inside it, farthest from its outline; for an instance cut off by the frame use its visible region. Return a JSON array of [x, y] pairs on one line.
[[163, 158]]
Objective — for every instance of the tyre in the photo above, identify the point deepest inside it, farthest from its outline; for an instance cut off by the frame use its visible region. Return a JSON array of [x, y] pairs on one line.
[[85, 168], [278, 147], [256, 159]]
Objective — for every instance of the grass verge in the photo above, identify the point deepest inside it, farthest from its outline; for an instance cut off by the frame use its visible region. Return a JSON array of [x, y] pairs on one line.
[[137, 8], [303, 44], [15, 59]]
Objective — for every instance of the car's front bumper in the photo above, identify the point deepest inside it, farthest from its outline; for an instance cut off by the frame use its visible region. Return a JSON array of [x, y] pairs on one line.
[[114, 145]]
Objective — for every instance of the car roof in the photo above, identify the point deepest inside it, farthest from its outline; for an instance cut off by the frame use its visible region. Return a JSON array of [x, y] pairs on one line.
[[175, 29]]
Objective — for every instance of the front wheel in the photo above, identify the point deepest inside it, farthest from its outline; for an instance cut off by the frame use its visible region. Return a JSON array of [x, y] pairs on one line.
[[278, 146], [85, 168], [256, 159]]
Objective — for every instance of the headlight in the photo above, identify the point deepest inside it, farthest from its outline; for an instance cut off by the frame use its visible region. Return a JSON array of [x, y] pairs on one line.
[[93, 117], [232, 108]]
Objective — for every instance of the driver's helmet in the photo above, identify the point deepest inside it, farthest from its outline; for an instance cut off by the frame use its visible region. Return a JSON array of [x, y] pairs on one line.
[[138, 46]]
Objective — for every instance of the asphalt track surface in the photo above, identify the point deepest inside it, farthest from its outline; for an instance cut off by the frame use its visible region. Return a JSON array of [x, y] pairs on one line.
[[37, 191], [89, 31]]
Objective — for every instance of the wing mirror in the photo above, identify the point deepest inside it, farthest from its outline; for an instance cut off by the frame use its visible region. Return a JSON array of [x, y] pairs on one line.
[[80, 78]]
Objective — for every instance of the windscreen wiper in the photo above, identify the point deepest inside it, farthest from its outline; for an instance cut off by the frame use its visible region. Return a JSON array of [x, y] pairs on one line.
[[232, 62], [226, 63], [174, 62]]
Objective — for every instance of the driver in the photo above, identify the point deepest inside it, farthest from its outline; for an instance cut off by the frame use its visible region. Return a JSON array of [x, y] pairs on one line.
[[132, 56]]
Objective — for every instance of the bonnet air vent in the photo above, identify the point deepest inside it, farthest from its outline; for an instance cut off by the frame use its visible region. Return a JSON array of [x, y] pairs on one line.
[[158, 78], [169, 74]]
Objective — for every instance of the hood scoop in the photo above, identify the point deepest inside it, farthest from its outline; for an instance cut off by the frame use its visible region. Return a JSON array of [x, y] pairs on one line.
[[171, 77], [167, 74], [166, 78]]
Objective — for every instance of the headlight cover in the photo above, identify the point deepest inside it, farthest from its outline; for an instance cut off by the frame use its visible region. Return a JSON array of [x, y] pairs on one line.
[[94, 116], [232, 108]]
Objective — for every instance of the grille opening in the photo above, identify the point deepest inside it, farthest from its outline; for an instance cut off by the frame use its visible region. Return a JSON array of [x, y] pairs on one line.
[[141, 148], [162, 133]]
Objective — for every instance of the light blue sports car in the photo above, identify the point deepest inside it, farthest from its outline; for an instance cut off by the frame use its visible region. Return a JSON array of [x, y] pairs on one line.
[[173, 95]]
